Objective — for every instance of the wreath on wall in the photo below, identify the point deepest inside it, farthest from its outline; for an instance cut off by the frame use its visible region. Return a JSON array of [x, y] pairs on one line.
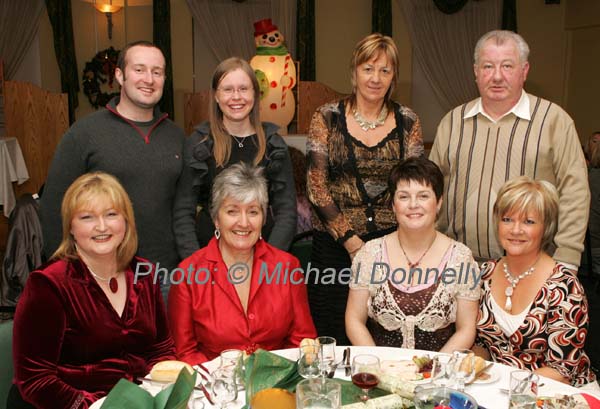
[[97, 72]]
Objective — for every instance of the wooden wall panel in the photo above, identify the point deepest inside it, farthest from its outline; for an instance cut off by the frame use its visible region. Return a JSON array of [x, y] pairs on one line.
[[38, 119], [195, 109]]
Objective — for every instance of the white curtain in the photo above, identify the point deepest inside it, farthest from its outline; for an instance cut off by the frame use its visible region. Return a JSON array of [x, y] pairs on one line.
[[19, 22], [227, 26], [443, 45]]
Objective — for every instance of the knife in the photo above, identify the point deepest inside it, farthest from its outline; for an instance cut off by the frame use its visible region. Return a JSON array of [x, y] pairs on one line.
[[348, 368]]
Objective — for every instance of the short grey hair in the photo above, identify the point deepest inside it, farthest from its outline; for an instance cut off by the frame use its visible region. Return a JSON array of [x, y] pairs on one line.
[[241, 182], [500, 37]]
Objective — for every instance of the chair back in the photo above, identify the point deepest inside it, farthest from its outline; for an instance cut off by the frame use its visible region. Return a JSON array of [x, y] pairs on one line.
[[302, 249], [6, 363]]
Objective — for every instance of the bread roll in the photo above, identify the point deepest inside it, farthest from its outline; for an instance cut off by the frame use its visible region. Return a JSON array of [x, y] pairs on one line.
[[308, 342], [471, 361], [168, 371]]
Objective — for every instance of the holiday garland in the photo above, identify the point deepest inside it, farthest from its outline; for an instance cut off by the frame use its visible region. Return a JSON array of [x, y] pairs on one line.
[[100, 70]]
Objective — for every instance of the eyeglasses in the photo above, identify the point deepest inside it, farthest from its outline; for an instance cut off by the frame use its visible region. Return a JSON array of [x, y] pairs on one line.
[[229, 91]]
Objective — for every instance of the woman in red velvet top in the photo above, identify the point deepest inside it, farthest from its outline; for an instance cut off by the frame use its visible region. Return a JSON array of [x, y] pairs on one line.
[[83, 321], [230, 297]]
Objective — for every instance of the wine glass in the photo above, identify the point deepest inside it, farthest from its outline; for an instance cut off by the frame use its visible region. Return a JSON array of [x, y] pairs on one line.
[[365, 373], [308, 361], [326, 354], [224, 387]]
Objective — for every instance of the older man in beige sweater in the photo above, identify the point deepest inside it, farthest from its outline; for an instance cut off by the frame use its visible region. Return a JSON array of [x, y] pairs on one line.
[[501, 135]]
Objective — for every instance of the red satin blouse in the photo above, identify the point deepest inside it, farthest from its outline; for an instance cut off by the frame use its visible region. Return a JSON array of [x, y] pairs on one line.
[[70, 347], [207, 318]]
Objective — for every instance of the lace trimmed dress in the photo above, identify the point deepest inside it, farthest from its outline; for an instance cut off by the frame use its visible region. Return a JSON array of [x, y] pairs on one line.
[[421, 319]]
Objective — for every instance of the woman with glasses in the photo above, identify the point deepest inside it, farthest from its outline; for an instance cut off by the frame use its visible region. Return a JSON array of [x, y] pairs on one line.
[[235, 134]]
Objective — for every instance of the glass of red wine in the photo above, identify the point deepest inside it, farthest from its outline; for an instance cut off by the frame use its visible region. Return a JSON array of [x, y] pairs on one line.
[[365, 373]]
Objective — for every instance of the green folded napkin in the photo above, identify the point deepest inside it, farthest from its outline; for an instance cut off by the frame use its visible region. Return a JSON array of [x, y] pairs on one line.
[[267, 370], [128, 395]]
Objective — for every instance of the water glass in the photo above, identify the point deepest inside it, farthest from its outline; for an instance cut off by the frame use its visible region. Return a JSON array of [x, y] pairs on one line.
[[233, 359], [441, 370], [326, 354], [522, 393], [463, 368], [224, 387], [318, 393], [308, 361]]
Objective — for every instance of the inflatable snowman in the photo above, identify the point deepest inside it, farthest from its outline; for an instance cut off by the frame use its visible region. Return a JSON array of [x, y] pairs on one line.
[[276, 75]]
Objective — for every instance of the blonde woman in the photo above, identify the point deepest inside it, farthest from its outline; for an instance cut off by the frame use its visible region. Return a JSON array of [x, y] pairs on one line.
[[84, 321], [235, 134]]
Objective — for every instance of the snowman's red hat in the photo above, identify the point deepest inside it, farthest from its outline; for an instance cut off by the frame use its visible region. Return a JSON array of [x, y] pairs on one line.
[[264, 26]]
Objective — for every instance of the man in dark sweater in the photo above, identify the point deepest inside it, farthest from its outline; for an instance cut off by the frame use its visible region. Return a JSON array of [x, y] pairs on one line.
[[132, 140]]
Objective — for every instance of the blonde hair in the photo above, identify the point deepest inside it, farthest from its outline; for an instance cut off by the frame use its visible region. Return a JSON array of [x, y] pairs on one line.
[[82, 194], [222, 139], [593, 150], [371, 46], [522, 195]]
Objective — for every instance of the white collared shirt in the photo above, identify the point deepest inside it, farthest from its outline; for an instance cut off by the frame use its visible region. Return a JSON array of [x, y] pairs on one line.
[[520, 109]]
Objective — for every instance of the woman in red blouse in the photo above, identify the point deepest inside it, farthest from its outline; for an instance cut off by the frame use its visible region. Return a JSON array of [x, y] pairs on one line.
[[239, 291], [534, 313], [85, 320]]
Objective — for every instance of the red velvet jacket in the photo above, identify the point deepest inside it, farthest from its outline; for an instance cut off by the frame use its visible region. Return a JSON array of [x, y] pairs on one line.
[[70, 347], [207, 318]]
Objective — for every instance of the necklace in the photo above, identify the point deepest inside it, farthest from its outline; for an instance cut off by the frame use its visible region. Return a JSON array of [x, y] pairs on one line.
[[365, 125], [412, 265], [239, 141], [113, 284], [513, 282]]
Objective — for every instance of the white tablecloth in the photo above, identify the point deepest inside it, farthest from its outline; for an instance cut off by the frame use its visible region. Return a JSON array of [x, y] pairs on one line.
[[488, 395], [12, 169]]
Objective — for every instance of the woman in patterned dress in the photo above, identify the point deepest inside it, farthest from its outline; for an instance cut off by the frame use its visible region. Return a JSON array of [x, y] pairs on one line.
[[533, 312], [352, 146], [414, 287]]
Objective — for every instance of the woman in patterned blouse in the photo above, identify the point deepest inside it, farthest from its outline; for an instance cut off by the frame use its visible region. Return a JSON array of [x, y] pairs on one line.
[[352, 146], [533, 313], [415, 287]]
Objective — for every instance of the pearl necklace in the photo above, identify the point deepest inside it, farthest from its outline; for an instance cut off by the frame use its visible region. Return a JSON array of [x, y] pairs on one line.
[[113, 284], [365, 125], [513, 283]]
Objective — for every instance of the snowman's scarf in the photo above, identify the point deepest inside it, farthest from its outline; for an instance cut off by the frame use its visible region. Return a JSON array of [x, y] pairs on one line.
[[281, 50]]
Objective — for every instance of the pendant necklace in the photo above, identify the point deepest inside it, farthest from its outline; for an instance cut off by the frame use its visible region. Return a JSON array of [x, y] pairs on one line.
[[239, 141], [365, 124], [412, 265], [513, 281], [113, 284]]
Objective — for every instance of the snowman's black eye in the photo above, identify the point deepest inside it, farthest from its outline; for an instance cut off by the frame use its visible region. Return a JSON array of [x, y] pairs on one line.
[[264, 36], [276, 34]]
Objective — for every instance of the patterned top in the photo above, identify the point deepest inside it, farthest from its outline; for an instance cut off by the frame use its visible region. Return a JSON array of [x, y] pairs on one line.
[[440, 310], [553, 333], [347, 180]]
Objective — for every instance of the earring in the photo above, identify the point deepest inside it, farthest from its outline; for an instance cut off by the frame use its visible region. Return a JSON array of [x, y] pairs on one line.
[[217, 233]]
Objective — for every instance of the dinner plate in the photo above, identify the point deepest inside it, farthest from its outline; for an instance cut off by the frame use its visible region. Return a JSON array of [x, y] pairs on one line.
[[98, 403], [494, 376]]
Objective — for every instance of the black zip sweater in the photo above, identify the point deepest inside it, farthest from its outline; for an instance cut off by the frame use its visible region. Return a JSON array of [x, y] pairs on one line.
[[149, 166]]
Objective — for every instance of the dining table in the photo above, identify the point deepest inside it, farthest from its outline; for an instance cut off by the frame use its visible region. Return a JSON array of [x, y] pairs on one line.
[[489, 394]]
